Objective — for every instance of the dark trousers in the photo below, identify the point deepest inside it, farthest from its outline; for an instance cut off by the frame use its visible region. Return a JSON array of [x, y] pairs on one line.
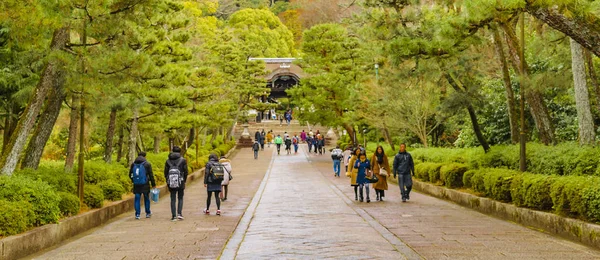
[[136, 202], [176, 195], [405, 183], [216, 199]]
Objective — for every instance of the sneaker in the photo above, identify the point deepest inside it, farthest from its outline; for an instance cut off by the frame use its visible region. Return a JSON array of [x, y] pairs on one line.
[[407, 197], [174, 219], [148, 215], [368, 200], [205, 211], [180, 217], [218, 212], [224, 199], [137, 217]]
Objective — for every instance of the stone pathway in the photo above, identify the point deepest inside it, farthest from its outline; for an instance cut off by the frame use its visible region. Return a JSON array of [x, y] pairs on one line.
[[438, 229], [197, 237], [291, 207]]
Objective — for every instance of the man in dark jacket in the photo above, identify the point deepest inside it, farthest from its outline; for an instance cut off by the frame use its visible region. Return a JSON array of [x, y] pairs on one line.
[[143, 185], [176, 161], [404, 166], [212, 186]]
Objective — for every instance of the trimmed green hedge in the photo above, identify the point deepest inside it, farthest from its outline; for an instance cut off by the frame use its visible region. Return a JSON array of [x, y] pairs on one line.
[[451, 175], [15, 217], [93, 196], [69, 204], [112, 190], [562, 159], [573, 196]]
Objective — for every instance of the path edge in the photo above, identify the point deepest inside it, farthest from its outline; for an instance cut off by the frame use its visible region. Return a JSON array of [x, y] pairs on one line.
[[568, 228], [40, 238]]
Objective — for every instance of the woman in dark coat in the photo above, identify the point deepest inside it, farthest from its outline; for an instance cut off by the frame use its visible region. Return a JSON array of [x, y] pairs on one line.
[[212, 187]]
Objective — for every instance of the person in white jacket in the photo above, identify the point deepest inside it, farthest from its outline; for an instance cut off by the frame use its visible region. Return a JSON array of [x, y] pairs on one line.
[[347, 154], [226, 177]]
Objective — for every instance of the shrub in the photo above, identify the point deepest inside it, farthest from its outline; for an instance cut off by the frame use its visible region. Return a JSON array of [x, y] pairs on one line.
[[54, 175], [112, 190], [93, 196], [576, 196], [591, 199], [39, 194], [69, 204], [434, 172], [452, 174], [467, 178], [497, 184], [422, 171], [15, 217], [532, 191]]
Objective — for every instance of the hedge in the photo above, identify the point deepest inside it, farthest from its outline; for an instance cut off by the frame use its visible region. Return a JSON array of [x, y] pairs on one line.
[[451, 175], [39, 194], [93, 196], [69, 204], [112, 190], [15, 217], [572, 196]]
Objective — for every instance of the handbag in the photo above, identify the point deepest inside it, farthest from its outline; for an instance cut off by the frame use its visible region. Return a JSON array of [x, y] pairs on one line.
[[373, 178], [382, 171]]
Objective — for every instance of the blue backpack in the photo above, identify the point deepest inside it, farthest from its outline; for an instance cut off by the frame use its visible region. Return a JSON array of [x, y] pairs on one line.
[[139, 174]]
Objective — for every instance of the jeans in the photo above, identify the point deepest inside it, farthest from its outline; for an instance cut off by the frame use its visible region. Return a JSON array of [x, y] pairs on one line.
[[405, 180], [366, 185], [255, 154], [278, 148], [336, 167], [136, 203], [176, 195]]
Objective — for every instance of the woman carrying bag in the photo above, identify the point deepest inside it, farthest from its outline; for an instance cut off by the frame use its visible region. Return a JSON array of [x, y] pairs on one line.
[[381, 168], [364, 175], [353, 172]]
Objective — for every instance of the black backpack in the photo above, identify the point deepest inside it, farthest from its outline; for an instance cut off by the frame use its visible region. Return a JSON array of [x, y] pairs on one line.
[[217, 172]]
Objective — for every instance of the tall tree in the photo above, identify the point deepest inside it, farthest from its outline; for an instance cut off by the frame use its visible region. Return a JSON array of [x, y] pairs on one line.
[[587, 134]]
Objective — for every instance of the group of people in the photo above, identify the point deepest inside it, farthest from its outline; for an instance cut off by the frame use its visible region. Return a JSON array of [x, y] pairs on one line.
[[363, 171], [289, 141], [216, 180]]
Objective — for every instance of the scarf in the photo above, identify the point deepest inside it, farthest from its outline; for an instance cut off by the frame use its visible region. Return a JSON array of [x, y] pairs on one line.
[[379, 158]]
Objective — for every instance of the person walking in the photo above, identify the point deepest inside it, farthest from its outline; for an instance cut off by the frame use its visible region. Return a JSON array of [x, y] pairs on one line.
[[212, 184], [404, 167], [303, 136], [176, 172], [309, 141], [255, 148], [364, 167], [353, 172], [336, 156], [347, 155], [226, 178], [269, 138], [142, 177], [263, 136], [288, 145], [380, 165], [278, 142], [295, 141]]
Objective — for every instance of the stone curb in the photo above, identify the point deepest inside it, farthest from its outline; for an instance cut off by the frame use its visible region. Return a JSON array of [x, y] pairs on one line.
[[40, 238], [572, 229]]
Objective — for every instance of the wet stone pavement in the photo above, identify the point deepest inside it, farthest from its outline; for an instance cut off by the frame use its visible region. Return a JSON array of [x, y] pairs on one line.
[[292, 207]]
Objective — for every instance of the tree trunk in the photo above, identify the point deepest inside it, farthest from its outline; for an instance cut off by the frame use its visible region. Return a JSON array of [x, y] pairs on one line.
[[52, 75], [534, 98], [141, 146], [110, 135], [120, 143], [72, 139], [593, 77], [388, 138], [584, 31], [157, 144], [133, 137], [472, 115], [237, 117], [10, 123], [513, 116], [350, 131], [43, 129], [582, 100]]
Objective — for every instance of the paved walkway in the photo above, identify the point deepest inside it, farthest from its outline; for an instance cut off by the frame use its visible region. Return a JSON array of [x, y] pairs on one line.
[[197, 237], [300, 211]]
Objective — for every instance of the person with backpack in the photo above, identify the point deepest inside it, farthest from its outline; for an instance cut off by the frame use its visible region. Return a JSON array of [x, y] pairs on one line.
[[255, 148], [142, 177], [288, 145], [176, 172], [278, 142], [336, 156], [309, 141], [214, 173], [295, 141], [227, 177], [404, 166]]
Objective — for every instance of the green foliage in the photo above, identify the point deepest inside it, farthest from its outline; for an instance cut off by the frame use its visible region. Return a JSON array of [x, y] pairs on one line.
[[451, 175], [112, 190], [15, 217], [54, 175], [532, 191], [493, 183], [69, 204], [93, 196], [428, 171], [40, 195], [467, 178]]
